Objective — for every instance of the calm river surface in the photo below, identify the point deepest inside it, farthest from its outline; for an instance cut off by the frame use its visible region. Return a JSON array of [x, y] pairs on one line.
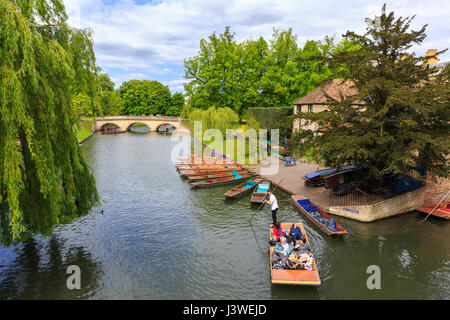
[[160, 239]]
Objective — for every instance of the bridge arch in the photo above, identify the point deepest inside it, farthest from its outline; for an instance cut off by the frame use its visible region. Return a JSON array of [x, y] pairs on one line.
[[109, 126], [140, 124], [166, 127]]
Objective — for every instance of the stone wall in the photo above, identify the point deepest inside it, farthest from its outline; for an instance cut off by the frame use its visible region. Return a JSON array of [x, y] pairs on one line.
[[436, 190]]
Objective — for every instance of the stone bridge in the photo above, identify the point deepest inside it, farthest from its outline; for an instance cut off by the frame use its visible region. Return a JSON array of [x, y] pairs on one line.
[[125, 122]]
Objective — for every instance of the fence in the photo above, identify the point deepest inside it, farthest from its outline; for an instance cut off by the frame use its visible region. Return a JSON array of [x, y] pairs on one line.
[[355, 198]]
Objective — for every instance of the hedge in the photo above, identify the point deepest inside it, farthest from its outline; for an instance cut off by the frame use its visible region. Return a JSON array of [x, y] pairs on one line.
[[273, 118]]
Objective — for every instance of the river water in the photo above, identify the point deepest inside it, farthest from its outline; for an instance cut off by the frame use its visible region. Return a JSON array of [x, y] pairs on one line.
[[160, 239]]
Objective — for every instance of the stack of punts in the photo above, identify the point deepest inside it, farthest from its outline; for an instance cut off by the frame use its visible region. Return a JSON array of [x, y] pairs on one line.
[[294, 277], [440, 211], [260, 193], [222, 181], [230, 173], [197, 172], [201, 159], [242, 189], [207, 166], [317, 216]]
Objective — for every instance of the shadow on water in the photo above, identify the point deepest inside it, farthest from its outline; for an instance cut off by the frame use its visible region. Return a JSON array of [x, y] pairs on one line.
[[37, 270]]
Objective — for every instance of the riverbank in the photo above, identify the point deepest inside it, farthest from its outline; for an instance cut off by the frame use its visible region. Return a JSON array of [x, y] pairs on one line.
[[84, 131]]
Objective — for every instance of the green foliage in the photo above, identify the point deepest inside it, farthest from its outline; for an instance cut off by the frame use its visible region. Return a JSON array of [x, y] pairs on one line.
[[44, 179], [399, 118], [104, 82], [82, 104], [216, 118], [176, 104], [272, 118], [111, 103], [144, 97], [256, 73]]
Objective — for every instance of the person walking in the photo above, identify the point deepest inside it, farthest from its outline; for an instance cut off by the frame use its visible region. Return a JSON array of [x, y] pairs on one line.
[[274, 203]]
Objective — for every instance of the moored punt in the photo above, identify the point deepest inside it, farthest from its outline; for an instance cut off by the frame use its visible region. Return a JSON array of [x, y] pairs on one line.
[[242, 189], [294, 277], [260, 193], [317, 216], [207, 171], [441, 211], [222, 181], [113, 132], [216, 175], [207, 167]]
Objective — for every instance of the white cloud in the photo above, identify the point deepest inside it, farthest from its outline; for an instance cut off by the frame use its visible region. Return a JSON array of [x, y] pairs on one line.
[[154, 39]]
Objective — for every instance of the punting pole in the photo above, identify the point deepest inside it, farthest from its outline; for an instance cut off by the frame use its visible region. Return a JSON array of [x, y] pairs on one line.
[[250, 221], [435, 206], [276, 187]]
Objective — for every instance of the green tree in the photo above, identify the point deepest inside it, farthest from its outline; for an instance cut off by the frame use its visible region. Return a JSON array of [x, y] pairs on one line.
[[399, 118], [44, 179], [111, 103], [82, 105], [255, 73], [144, 97], [104, 82], [176, 104]]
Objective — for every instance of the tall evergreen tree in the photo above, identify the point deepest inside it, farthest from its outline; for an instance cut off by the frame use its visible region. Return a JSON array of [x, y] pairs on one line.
[[44, 179], [399, 118]]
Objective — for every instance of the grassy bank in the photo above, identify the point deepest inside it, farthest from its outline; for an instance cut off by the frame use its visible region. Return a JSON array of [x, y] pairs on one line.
[[221, 146], [84, 130]]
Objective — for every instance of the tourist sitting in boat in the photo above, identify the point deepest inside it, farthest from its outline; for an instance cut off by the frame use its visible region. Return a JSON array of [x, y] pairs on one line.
[[295, 232], [277, 231], [273, 241], [282, 251], [304, 252]]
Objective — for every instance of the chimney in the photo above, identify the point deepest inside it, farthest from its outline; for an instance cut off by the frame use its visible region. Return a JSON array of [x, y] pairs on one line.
[[431, 61]]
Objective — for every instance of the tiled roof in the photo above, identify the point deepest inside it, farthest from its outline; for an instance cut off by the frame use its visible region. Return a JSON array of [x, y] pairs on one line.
[[333, 88]]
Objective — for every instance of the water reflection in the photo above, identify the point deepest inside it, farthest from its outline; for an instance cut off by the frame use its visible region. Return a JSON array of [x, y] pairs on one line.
[[37, 269]]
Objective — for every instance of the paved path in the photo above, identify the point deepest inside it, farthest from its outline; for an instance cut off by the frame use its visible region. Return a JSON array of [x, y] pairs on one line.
[[293, 182]]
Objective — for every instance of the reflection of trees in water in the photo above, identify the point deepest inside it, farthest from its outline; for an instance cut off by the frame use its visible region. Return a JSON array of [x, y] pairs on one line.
[[39, 271]]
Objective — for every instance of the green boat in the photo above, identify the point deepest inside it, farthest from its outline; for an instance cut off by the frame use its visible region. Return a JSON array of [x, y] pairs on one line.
[[242, 189]]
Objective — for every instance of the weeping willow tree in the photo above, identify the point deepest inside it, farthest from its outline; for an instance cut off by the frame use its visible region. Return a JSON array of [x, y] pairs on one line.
[[44, 179], [216, 118]]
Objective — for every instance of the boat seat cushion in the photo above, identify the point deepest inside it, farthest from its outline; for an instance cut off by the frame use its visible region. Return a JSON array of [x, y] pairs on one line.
[[263, 188]]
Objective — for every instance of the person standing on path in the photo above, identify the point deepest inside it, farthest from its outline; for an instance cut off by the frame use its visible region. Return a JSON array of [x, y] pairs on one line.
[[274, 203]]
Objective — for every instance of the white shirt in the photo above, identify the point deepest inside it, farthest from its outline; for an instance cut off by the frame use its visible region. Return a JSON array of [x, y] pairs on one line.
[[285, 248], [274, 202]]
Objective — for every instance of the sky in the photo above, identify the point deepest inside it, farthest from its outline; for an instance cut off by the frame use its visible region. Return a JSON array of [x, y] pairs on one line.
[[143, 39]]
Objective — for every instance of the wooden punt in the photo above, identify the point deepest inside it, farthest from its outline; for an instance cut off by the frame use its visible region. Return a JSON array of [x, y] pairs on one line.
[[321, 214], [259, 194], [242, 189], [207, 166], [221, 181], [442, 211], [228, 174], [112, 132], [207, 171], [293, 277]]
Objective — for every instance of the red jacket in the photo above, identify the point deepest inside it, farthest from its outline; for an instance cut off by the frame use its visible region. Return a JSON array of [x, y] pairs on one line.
[[277, 232]]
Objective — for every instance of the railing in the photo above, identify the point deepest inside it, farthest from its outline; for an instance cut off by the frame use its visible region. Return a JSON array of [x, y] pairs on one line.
[[356, 198]]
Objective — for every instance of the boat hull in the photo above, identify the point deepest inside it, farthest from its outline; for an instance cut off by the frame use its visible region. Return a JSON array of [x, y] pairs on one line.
[[237, 192], [219, 182], [327, 231]]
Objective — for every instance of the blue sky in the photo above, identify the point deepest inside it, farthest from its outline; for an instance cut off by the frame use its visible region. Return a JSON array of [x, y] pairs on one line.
[[142, 39]]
